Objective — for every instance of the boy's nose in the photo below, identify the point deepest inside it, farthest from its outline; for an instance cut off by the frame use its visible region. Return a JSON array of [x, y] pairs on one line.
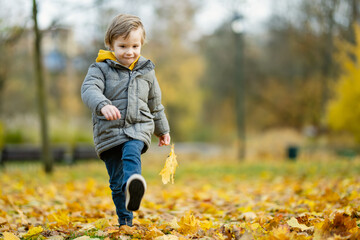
[[128, 52]]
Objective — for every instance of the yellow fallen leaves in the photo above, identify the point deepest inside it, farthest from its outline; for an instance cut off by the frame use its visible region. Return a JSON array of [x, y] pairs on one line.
[[102, 223], [168, 172], [293, 222], [228, 207], [59, 219], [189, 224], [10, 236], [34, 233]]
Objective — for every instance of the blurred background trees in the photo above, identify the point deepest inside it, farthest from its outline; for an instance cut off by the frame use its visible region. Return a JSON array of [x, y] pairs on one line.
[[291, 67], [344, 111]]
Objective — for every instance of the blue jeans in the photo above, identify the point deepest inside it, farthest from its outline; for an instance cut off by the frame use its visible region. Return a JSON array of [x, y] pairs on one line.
[[122, 162]]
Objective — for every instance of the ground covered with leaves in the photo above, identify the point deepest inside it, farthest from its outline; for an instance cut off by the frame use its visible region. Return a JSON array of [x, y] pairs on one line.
[[209, 200]]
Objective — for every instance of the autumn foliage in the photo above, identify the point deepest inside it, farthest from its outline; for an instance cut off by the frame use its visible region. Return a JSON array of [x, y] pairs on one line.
[[208, 200], [343, 110]]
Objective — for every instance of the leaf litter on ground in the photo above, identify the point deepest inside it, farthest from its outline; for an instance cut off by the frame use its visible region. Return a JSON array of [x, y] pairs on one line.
[[36, 206]]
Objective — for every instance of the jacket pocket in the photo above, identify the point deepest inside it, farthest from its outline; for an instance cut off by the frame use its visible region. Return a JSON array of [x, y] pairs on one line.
[[147, 122], [113, 123], [147, 114], [107, 129]]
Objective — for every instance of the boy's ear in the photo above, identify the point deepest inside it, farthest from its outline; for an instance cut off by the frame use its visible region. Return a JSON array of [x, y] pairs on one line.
[[109, 47]]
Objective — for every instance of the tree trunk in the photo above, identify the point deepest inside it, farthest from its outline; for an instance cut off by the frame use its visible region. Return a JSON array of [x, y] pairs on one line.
[[46, 151], [327, 68], [240, 95], [353, 19]]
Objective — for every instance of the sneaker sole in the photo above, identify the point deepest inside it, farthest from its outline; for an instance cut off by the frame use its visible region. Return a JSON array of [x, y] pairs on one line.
[[136, 190]]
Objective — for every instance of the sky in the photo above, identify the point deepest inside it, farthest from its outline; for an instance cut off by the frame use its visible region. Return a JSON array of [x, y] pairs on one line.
[[213, 13], [255, 13], [208, 19]]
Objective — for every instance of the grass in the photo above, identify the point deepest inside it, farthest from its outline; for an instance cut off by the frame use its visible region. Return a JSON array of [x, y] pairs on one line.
[[207, 169]]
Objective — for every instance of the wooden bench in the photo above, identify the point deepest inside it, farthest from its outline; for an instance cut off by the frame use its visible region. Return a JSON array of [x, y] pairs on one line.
[[83, 152], [31, 153], [28, 153]]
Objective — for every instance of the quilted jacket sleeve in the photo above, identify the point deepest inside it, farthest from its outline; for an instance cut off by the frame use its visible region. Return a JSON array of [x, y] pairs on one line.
[[157, 109], [92, 89]]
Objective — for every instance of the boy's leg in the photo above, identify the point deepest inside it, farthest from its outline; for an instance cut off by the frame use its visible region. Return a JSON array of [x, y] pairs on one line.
[[114, 166], [134, 184], [131, 158]]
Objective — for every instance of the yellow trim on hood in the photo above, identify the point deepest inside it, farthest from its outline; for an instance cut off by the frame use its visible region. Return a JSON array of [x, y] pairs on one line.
[[103, 55], [131, 67]]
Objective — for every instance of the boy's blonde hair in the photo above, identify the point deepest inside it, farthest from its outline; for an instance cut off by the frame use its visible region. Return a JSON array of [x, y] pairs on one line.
[[122, 25]]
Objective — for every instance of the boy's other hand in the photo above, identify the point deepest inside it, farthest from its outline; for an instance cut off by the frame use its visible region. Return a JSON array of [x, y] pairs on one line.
[[164, 140], [111, 112]]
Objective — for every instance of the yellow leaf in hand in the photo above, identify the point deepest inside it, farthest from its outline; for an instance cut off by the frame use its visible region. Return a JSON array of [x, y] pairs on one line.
[[168, 172]]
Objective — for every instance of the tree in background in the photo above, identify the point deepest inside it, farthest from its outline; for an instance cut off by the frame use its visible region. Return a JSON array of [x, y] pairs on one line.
[[285, 67], [42, 95], [179, 66], [9, 36], [343, 109], [218, 84], [288, 69]]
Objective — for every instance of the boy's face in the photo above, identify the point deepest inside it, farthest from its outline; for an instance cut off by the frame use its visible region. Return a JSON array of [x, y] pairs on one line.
[[128, 50]]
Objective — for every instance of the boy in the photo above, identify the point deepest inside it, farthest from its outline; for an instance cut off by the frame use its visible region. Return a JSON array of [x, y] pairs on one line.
[[125, 99]]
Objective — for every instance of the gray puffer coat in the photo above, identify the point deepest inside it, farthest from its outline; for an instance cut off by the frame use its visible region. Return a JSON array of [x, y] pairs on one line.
[[135, 93]]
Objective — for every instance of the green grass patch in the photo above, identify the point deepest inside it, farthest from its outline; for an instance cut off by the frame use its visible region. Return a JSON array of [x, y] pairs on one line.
[[193, 169]]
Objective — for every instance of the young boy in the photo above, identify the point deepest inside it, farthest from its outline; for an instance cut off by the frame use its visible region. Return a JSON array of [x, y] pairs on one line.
[[125, 99]]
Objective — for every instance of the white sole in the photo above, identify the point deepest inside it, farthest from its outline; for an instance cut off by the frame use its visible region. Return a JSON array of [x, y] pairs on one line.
[[135, 190]]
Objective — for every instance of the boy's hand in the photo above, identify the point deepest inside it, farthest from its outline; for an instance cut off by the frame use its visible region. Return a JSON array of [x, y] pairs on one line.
[[110, 112], [164, 140]]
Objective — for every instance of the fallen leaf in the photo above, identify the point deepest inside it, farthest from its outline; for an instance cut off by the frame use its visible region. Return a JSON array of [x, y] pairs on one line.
[[101, 224], [56, 237], [10, 236], [113, 230], [61, 218], [168, 172], [33, 232], [167, 237], [2, 221], [206, 225], [174, 223], [127, 230], [282, 232], [82, 238], [293, 222], [189, 224], [22, 216], [153, 233], [249, 216]]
